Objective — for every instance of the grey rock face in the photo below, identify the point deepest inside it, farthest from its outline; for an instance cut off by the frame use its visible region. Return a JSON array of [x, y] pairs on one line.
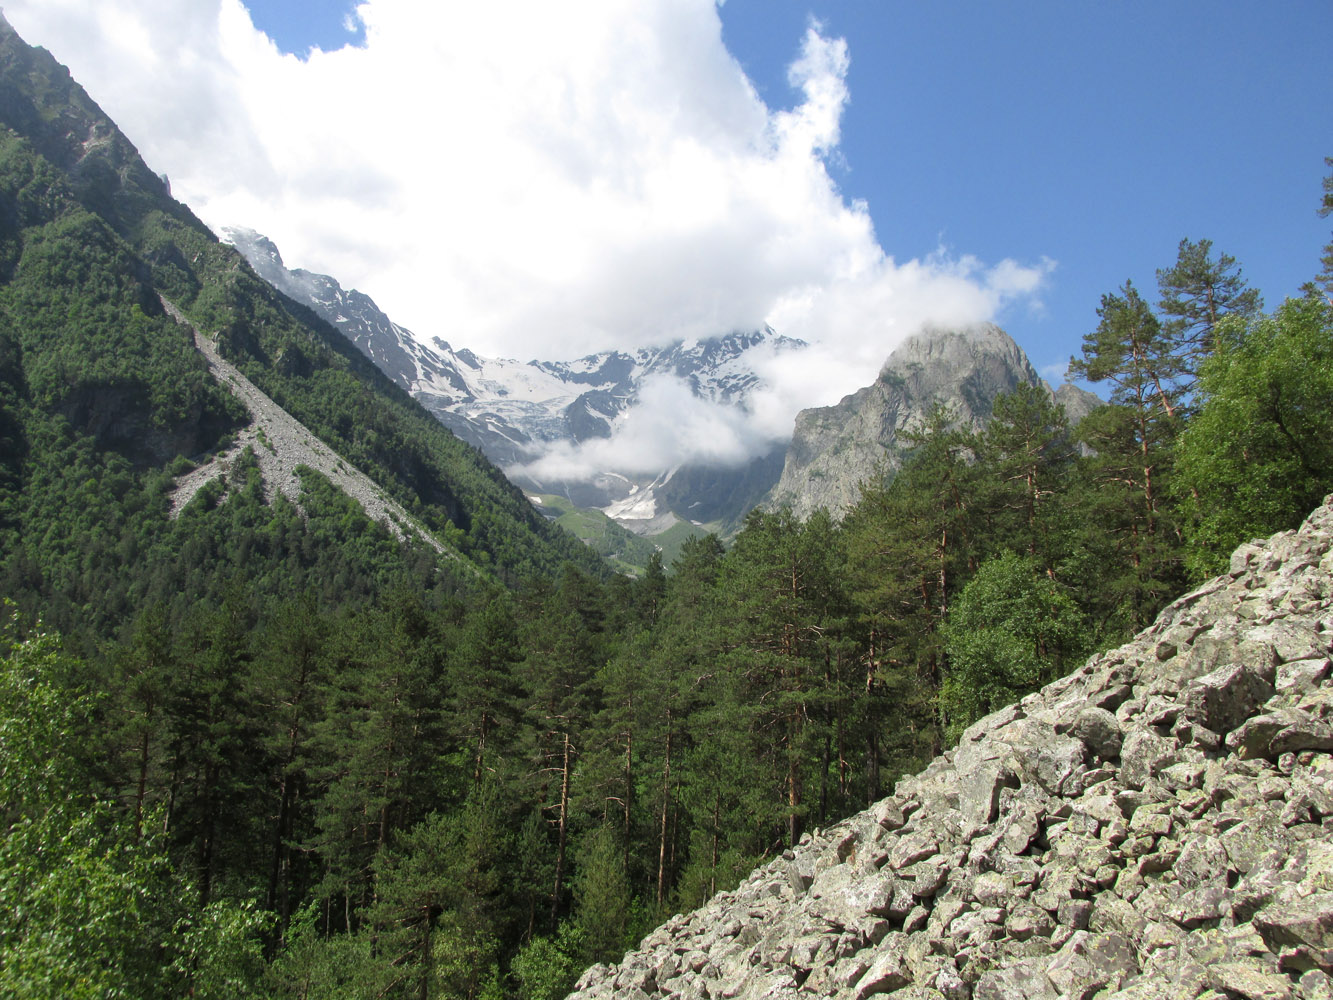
[[1158, 825], [836, 448]]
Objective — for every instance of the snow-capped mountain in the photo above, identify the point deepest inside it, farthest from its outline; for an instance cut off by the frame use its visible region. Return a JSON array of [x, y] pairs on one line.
[[516, 411]]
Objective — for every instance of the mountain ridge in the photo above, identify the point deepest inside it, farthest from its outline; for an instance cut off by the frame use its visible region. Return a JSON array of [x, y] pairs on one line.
[[515, 411], [91, 246]]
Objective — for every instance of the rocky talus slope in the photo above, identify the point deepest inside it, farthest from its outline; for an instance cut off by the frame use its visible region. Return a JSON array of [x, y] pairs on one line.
[[1157, 825], [281, 445]]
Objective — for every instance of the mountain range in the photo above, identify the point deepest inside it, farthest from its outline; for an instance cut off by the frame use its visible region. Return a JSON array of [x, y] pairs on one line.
[[516, 412]]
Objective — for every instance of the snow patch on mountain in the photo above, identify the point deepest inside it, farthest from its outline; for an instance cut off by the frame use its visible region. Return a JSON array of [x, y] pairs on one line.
[[607, 430]]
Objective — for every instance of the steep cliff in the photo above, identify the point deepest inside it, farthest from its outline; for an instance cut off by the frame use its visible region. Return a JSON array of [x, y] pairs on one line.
[[836, 448], [1157, 825]]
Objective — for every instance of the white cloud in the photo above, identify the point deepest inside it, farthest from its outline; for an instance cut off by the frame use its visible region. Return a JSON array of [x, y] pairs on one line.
[[670, 427], [533, 179]]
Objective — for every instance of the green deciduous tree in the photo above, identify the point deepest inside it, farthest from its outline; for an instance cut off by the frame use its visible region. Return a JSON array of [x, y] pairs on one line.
[[92, 905], [1259, 454], [1011, 630]]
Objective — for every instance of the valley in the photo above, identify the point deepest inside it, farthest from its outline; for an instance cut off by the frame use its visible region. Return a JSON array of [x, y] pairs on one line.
[[302, 696]]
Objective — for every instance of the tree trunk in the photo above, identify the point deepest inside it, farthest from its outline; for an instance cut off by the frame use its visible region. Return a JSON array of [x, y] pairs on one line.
[[717, 810], [629, 790], [564, 831], [793, 798], [142, 789], [666, 804], [426, 954], [481, 750]]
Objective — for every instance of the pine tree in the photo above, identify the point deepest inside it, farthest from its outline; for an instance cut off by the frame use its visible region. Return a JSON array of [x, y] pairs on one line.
[[482, 679], [1196, 293], [287, 678], [563, 640], [378, 746], [602, 897], [909, 545], [1024, 457], [1131, 442], [778, 587]]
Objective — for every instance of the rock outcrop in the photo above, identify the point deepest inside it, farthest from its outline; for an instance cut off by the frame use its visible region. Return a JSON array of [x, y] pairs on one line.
[[1157, 825], [835, 449]]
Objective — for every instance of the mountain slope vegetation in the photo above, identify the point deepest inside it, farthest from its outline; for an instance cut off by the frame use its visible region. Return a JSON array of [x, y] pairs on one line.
[[104, 392]]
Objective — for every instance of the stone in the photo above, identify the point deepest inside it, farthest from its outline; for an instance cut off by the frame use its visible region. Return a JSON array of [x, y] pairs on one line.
[[1142, 755], [1099, 731], [983, 770], [888, 814], [993, 889], [1301, 675], [1202, 861], [1199, 906], [1111, 913], [1288, 730], [1300, 931], [1089, 963], [1317, 985], [1074, 913], [912, 849], [1024, 980], [1059, 764], [1225, 698], [888, 972], [1249, 981]]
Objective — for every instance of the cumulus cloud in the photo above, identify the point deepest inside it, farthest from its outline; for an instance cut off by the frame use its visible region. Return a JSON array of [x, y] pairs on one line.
[[535, 180]]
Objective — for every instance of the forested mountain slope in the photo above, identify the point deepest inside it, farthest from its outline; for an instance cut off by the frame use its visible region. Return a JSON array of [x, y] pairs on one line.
[[104, 394]]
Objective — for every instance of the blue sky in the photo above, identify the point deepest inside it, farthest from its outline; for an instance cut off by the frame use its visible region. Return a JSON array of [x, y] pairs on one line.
[[300, 25], [1096, 134]]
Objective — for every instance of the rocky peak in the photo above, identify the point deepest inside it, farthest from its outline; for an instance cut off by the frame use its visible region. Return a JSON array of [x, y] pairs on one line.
[[958, 347], [1157, 825], [836, 448]]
